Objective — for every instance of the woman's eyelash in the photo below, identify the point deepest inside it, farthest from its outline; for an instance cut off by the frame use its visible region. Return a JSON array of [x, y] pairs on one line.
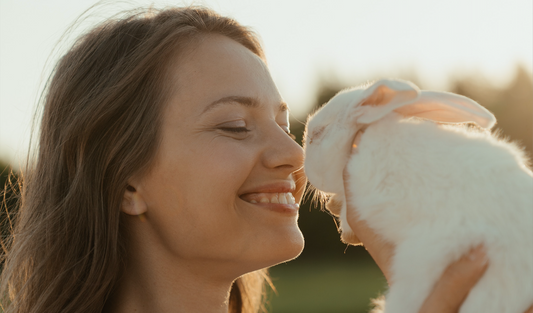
[[235, 129], [245, 130]]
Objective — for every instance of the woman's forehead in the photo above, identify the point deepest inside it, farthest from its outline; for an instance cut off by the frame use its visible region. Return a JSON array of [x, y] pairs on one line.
[[218, 67]]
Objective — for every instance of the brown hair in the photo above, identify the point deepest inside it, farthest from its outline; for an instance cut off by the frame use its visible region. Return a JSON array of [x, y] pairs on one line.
[[100, 126]]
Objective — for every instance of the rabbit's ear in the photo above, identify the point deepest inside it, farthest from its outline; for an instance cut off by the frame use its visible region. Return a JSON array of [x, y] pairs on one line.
[[383, 97], [449, 108]]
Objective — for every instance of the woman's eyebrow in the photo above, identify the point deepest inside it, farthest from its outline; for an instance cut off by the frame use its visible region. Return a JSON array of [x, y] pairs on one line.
[[245, 101]]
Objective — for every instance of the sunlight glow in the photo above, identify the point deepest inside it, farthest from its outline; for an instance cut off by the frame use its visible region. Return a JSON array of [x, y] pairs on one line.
[[306, 43]]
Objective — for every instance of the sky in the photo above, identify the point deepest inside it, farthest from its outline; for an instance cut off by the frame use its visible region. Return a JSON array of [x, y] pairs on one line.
[[305, 41]]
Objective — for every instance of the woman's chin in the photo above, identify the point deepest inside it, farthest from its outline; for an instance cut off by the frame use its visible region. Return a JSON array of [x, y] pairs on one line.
[[288, 249]]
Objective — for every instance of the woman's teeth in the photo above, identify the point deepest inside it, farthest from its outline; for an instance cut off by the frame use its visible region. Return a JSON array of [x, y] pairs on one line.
[[283, 198]]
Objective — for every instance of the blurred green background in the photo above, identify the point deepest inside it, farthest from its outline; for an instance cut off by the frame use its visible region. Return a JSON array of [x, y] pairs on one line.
[[330, 276]]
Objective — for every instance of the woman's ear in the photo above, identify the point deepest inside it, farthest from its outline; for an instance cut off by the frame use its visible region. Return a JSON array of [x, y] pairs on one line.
[[132, 203]]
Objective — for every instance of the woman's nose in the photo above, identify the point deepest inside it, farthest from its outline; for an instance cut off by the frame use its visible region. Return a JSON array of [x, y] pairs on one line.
[[283, 152]]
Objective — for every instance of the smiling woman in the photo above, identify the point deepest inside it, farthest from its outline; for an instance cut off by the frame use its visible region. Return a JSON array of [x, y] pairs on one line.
[[166, 179], [214, 157]]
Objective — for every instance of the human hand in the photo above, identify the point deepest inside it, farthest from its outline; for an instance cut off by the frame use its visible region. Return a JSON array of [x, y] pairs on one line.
[[456, 282]]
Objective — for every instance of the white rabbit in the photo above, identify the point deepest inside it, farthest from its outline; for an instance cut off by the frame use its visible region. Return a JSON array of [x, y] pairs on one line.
[[431, 185]]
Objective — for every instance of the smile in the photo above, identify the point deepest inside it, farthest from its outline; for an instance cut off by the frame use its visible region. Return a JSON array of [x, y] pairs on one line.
[[279, 198]]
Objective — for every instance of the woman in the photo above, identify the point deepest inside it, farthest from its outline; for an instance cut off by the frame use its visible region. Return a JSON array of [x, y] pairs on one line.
[[166, 179]]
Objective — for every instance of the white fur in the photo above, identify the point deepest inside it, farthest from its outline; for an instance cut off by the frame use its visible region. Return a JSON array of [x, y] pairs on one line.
[[433, 190]]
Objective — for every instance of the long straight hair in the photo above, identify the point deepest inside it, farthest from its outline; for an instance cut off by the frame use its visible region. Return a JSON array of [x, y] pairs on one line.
[[100, 126]]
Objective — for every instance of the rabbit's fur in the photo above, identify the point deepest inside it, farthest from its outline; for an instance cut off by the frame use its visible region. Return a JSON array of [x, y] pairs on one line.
[[431, 185]]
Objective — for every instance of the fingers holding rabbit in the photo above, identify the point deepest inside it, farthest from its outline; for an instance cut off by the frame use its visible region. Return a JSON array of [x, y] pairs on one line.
[[458, 279], [452, 289]]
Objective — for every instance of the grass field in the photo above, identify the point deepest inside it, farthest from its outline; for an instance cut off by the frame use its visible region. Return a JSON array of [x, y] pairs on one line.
[[325, 287]]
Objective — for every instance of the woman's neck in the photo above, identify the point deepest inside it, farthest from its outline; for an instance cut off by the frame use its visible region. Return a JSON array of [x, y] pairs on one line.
[[156, 281], [161, 291]]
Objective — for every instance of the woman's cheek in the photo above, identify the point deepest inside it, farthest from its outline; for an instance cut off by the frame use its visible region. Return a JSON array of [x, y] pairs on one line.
[[232, 159]]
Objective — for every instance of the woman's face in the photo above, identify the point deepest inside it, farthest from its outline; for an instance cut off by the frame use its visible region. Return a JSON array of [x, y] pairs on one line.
[[224, 163]]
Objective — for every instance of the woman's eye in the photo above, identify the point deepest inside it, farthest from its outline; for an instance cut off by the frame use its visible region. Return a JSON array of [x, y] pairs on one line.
[[235, 129]]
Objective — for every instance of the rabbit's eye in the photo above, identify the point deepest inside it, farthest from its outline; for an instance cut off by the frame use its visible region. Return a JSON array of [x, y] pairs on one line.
[[316, 134]]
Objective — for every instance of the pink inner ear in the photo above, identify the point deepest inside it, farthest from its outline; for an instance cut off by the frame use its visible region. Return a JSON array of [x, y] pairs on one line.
[[382, 95], [382, 98], [448, 108]]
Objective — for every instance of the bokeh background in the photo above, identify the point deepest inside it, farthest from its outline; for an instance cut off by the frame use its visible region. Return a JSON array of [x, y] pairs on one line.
[[479, 48]]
